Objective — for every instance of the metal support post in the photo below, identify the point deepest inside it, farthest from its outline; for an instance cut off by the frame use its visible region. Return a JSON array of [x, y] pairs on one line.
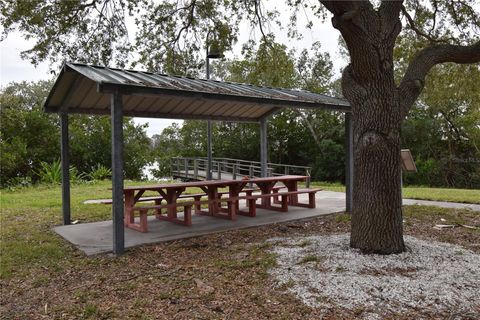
[[117, 173], [263, 147], [65, 158], [348, 162], [209, 149]]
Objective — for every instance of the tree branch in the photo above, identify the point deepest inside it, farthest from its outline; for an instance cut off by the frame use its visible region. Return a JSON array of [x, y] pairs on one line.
[[412, 25], [260, 19], [414, 78], [422, 33]]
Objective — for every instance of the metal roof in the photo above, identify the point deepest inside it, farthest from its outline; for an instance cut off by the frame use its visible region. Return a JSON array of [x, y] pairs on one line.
[[87, 89]]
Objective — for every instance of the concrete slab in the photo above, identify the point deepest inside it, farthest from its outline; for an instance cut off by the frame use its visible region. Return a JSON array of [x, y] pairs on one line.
[[442, 204], [96, 237]]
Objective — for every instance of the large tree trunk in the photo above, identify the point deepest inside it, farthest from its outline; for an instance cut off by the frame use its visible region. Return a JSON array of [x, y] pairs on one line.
[[368, 84], [377, 207]]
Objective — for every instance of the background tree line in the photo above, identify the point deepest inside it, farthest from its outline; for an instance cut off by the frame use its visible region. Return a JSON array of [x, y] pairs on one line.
[[30, 139], [443, 129]]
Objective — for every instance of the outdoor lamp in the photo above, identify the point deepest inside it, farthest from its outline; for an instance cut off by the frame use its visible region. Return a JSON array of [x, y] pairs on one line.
[[214, 51]]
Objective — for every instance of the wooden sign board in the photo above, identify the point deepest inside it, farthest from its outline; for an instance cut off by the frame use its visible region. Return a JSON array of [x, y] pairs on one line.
[[408, 164]]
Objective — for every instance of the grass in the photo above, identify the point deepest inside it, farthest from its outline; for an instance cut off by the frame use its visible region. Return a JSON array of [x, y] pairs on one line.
[[38, 266], [442, 194], [28, 214], [436, 214], [309, 258], [420, 193]]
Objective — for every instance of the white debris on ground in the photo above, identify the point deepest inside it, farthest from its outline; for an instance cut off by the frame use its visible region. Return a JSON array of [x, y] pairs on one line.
[[324, 272]]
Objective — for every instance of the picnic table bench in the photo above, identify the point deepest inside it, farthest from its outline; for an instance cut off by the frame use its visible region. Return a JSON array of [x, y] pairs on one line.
[[170, 193]]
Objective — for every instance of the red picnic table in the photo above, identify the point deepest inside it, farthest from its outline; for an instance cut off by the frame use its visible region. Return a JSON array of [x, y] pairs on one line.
[[267, 184], [171, 192]]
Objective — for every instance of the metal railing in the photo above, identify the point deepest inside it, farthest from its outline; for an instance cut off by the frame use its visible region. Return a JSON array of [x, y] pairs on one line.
[[196, 168]]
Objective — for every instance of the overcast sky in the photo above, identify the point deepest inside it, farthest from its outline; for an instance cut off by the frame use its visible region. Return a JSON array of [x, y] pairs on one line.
[[13, 68]]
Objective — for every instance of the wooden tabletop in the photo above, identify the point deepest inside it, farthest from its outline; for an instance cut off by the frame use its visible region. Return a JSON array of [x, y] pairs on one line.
[[217, 183]]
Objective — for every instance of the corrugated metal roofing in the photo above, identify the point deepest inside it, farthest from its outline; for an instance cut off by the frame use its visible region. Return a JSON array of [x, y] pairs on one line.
[[87, 89]]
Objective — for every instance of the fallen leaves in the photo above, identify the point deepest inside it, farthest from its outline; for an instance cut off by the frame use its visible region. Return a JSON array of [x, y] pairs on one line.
[[216, 276], [202, 287]]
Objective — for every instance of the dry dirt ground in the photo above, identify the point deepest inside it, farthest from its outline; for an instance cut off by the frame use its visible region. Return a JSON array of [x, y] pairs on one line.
[[220, 276]]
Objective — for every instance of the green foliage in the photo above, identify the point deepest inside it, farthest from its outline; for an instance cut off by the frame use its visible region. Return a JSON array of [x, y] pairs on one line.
[[443, 129], [28, 136], [30, 139], [100, 172], [50, 173], [77, 176]]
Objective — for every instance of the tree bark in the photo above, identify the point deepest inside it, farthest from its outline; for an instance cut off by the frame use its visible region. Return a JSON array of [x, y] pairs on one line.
[[377, 204]]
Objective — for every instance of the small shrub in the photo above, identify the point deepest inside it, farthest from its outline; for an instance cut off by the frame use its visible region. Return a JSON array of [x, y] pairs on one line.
[[50, 173], [19, 182], [76, 176], [100, 172]]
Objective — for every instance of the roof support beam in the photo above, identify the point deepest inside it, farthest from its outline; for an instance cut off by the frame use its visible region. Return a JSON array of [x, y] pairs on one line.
[[146, 114], [117, 173]]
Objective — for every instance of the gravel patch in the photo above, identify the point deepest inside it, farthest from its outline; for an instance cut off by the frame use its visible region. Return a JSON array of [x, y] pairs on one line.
[[324, 272]]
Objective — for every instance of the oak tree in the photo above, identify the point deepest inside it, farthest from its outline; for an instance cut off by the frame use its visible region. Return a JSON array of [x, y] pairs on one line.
[[174, 31]]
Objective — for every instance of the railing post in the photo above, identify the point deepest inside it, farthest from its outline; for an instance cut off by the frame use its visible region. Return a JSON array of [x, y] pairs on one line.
[[195, 169], [269, 172], [287, 170], [177, 162], [185, 165], [219, 170], [307, 173], [251, 175], [234, 171]]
